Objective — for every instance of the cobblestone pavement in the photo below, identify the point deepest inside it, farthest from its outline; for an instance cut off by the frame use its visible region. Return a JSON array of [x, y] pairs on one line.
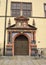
[[21, 60]]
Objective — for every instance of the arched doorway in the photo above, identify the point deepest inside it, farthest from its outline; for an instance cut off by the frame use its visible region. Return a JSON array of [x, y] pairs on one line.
[[21, 45]]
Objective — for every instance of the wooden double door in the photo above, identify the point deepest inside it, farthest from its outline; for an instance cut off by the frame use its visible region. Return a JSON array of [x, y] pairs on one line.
[[21, 45]]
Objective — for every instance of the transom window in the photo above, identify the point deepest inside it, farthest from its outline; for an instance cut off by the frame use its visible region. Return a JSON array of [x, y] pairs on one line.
[[17, 7], [45, 9]]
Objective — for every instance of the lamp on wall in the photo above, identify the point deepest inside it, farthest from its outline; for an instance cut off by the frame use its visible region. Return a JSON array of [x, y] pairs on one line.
[[38, 41]]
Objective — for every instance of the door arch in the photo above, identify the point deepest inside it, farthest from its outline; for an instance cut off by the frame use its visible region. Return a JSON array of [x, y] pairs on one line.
[[21, 45]]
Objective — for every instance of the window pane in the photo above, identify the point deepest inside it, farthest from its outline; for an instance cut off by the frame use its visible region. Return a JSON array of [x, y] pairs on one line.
[[24, 6], [45, 13], [45, 7], [28, 13], [24, 13], [18, 5], [29, 6], [15, 12], [13, 6]]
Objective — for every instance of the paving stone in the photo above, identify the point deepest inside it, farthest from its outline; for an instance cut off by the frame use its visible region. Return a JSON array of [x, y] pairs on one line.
[[22, 60]]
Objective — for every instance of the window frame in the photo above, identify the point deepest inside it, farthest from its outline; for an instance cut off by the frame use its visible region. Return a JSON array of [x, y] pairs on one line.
[[21, 8], [44, 9]]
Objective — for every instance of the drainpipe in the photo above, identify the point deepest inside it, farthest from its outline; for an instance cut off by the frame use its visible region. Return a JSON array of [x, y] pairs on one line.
[[5, 27]]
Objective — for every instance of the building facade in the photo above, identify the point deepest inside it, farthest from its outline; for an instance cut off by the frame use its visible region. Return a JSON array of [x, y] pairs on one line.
[[26, 21]]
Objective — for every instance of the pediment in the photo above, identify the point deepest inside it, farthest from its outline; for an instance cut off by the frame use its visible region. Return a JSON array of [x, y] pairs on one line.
[[29, 27]]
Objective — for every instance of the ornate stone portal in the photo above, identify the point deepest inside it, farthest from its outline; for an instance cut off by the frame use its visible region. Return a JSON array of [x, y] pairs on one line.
[[21, 37]]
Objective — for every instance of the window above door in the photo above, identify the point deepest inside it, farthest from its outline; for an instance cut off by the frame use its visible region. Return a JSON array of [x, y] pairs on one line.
[[17, 7], [45, 9]]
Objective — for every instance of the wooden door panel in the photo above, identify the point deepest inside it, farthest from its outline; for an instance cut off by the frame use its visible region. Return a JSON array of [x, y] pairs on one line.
[[21, 46]]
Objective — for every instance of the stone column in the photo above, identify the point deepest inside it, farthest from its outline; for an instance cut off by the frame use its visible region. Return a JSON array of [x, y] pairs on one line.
[[13, 48], [34, 35], [9, 37]]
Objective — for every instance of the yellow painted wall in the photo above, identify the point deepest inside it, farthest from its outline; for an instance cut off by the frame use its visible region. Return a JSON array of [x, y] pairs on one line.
[[37, 11]]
